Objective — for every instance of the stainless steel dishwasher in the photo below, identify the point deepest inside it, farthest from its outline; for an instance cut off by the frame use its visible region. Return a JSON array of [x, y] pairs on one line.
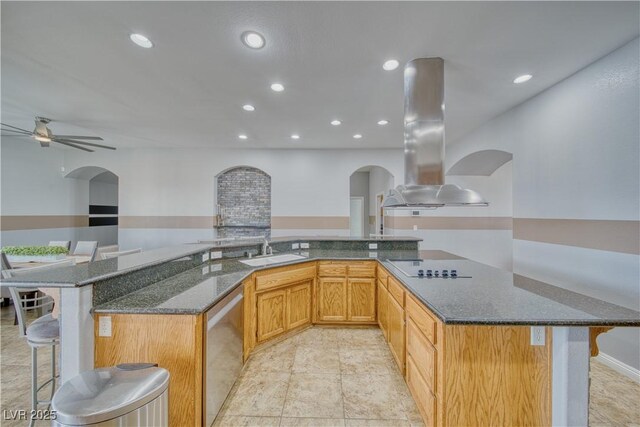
[[223, 351]]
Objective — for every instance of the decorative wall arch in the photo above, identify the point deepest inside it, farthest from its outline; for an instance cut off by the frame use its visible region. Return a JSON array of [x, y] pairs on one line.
[[368, 183], [243, 202], [480, 163]]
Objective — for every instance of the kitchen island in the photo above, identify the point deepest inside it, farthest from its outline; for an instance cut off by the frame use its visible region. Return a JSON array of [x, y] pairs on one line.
[[487, 334]]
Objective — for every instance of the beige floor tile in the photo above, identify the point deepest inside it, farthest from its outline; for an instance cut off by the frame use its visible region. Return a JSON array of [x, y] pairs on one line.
[[364, 360], [361, 337], [326, 338], [276, 358], [371, 397], [376, 423], [311, 422], [315, 359], [314, 395], [240, 421], [261, 395]]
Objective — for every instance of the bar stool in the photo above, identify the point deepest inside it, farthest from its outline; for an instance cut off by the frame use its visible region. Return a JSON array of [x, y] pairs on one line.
[[43, 332]]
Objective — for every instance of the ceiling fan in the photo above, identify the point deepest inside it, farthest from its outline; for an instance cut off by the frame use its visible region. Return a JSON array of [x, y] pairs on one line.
[[43, 134]]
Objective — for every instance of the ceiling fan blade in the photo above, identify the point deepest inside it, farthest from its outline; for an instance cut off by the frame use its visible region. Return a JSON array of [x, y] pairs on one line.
[[72, 145], [21, 132], [90, 138], [13, 127], [71, 141]]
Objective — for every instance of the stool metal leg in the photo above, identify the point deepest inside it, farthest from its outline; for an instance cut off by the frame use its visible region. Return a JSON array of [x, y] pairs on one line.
[[53, 374], [34, 383]]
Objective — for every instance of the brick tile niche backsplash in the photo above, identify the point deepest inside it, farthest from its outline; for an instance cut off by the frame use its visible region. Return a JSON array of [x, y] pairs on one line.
[[244, 203]]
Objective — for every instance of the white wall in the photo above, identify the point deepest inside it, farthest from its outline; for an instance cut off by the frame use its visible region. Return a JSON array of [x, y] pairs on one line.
[[576, 155], [103, 193], [359, 187]]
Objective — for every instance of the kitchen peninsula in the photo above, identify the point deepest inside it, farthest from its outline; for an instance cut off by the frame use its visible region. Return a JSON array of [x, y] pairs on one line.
[[476, 345]]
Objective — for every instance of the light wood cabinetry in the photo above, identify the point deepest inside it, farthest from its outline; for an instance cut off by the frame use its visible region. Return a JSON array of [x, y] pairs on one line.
[[299, 305], [346, 292], [395, 319], [174, 342], [271, 314], [361, 299], [382, 309], [332, 299]]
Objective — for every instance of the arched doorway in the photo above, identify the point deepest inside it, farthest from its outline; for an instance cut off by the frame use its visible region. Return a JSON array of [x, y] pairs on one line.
[[367, 187], [99, 192], [243, 203]]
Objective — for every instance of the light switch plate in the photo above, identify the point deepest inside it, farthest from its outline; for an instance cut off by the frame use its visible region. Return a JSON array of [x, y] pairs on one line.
[[537, 335], [295, 246], [415, 227], [216, 255], [373, 246], [304, 245], [104, 326], [205, 257]]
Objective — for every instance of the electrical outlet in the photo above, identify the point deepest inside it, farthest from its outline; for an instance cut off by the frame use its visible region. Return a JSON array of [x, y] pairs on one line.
[[104, 326], [216, 255], [415, 227], [537, 335], [205, 270], [304, 245], [295, 246], [373, 246], [205, 257]]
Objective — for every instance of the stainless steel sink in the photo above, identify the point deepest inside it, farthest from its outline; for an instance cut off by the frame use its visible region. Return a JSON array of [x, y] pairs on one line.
[[275, 259]]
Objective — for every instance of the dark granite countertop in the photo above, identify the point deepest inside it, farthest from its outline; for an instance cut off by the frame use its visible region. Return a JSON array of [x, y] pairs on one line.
[[492, 296], [221, 243], [85, 274]]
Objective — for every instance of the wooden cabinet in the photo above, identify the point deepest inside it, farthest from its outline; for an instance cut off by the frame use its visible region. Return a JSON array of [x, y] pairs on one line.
[[271, 314], [298, 305], [395, 319], [382, 309], [424, 398], [277, 301], [361, 300], [332, 299], [346, 292]]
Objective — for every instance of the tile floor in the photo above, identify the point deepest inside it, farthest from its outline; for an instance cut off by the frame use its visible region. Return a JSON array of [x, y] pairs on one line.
[[275, 387]]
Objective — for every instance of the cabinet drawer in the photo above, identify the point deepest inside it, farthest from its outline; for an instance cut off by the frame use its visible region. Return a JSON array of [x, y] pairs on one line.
[[396, 290], [425, 400], [285, 277], [382, 276], [364, 269], [423, 354], [422, 319], [332, 269]]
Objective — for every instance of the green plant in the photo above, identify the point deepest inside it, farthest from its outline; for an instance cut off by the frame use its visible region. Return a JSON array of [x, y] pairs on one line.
[[35, 250]]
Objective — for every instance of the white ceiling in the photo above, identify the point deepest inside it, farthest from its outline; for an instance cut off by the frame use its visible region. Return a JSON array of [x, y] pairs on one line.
[[74, 63]]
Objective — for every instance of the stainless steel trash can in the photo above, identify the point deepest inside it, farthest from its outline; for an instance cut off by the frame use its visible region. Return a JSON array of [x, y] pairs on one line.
[[125, 395]]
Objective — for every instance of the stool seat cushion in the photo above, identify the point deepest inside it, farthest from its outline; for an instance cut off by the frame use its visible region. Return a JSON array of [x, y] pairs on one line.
[[44, 329]]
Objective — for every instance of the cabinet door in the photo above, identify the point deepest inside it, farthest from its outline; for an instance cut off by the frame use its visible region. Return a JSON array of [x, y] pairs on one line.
[[361, 300], [395, 318], [332, 299], [298, 305], [271, 314], [382, 310]]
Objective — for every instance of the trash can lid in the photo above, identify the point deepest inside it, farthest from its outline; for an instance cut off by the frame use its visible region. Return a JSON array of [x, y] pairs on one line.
[[107, 393]]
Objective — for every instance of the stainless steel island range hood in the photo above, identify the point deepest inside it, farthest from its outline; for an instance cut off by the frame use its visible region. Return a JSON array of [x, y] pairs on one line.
[[424, 143]]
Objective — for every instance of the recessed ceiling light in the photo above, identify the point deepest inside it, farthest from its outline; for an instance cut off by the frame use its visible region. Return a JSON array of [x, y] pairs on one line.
[[141, 40], [253, 40], [390, 65], [248, 107], [277, 87], [242, 136], [357, 136], [383, 122], [295, 136], [336, 122], [523, 78]]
